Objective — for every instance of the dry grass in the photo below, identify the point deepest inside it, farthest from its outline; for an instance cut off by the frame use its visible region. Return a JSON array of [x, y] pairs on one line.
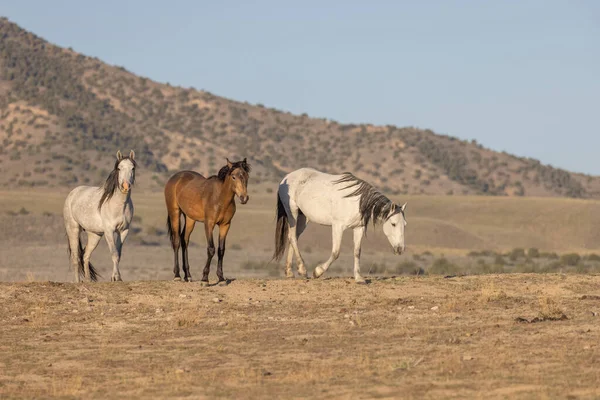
[[413, 337]]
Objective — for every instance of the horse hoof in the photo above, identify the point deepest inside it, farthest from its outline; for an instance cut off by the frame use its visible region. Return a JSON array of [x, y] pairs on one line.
[[360, 281], [318, 272], [177, 279], [189, 279], [204, 283], [224, 282]]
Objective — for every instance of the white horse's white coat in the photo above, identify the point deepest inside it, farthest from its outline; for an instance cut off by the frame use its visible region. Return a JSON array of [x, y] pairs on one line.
[[111, 219], [310, 195]]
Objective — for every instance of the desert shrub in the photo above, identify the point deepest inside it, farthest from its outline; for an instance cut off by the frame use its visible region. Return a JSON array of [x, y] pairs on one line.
[[581, 268], [533, 253], [408, 268], [485, 268], [570, 259], [499, 260], [516, 254], [554, 266], [592, 257], [550, 256], [377, 269], [442, 266]]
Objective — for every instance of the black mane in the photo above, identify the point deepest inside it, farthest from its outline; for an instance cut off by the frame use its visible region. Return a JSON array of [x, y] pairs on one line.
[[112, 182], [224, 171], [372, 203]]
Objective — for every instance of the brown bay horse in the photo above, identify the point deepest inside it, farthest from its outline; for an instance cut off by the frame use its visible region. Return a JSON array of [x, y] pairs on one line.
[[208, 200]]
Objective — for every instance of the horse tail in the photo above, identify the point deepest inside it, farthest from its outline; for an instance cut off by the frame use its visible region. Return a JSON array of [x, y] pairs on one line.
[[281, 231], [171, 233], [93, 273]]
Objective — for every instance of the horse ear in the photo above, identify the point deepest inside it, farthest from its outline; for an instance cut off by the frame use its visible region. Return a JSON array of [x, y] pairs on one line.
[[403, 207], [229, 164], [245, 162], [119, 155], [132, 154]]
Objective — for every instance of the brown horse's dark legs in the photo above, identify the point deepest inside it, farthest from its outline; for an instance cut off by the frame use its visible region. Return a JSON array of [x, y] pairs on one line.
[[175, 242], [210, 249], [223, 229], [188, 227]]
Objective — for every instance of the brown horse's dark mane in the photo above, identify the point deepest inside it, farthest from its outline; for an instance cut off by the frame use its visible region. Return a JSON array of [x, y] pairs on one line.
[[225, 170], [112, 182]]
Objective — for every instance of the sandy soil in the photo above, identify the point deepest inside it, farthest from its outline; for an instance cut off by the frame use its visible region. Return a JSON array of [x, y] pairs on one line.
[[407, 337]]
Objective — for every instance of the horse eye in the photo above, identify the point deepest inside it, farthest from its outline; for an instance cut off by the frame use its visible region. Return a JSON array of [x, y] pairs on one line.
[[393, 224], [233, 177]]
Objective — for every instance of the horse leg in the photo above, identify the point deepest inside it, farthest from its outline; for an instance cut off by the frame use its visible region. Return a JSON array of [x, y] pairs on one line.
[[188, 228], [73, 231], [92, 242], [174, 217], [336, 241], [114, 246], [120, 241], [293, 238], [300, 226], [359, 232], [210, 250], [288, 263], [223, 230]]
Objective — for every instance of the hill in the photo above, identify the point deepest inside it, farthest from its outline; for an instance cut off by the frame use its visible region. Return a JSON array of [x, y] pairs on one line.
[[63, 115]]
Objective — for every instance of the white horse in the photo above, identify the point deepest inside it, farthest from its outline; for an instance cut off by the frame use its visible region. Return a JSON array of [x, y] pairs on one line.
[[340, 201], [100, 211]]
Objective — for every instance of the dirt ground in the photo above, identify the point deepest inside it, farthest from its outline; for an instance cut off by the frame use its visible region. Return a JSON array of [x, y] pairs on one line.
[[492, 336]]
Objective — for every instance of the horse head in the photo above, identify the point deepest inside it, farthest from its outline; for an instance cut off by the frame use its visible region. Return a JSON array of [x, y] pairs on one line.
[[238, 172], [126, 171], [393, 227]]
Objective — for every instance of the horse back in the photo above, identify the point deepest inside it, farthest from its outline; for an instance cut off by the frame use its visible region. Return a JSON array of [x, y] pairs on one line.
[[190, 192]]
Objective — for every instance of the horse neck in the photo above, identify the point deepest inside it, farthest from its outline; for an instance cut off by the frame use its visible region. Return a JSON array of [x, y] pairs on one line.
[[226, 192]]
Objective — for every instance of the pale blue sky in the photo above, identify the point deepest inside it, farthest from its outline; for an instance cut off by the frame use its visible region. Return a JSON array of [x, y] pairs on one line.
[[519, 76]]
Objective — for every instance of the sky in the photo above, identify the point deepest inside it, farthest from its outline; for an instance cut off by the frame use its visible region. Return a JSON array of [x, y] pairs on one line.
[[517, 76]]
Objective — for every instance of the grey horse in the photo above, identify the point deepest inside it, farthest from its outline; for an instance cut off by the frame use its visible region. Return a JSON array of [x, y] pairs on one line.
[[100, 211]]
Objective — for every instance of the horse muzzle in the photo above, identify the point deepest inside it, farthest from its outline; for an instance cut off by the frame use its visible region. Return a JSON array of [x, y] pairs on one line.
[[125, 188], [398, 250], [244, 199]]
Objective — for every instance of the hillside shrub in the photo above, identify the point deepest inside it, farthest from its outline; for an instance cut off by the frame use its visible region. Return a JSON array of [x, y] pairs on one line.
[[570, 259]]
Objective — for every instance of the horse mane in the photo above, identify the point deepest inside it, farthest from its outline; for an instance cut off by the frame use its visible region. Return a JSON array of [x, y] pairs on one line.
[[373, 204], [224, 171], [112, 182]]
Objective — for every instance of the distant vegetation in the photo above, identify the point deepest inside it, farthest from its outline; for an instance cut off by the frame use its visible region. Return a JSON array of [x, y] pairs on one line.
[[63, 115], [491, 262]]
